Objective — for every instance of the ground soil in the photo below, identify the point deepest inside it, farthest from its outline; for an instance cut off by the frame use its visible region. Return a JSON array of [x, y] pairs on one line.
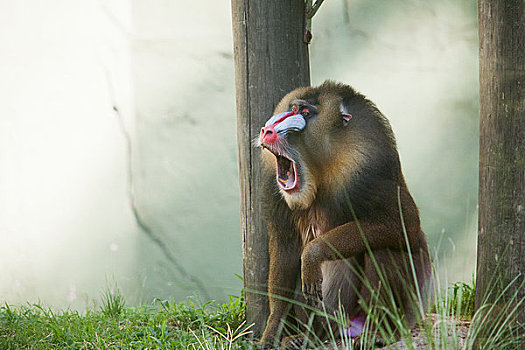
[[456, 335]]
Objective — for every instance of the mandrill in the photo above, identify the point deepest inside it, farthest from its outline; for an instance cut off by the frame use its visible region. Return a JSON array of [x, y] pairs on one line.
[[344, 231]]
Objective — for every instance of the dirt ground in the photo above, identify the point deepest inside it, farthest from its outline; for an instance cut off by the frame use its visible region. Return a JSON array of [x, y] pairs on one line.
[[456, 336]]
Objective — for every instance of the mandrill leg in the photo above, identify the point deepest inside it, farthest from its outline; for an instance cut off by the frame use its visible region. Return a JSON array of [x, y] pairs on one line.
[[340, 290], [382, 281], [284, 271], [390, 285]]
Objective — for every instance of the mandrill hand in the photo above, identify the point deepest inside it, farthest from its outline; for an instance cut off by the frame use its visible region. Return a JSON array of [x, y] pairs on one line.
[[311, 275]]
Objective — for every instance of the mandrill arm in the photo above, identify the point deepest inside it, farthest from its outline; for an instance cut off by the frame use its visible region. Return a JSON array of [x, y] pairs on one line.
[[351, 239]]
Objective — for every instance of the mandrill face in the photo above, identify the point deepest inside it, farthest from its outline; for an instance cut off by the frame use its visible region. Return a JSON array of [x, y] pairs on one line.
[[321, 131]]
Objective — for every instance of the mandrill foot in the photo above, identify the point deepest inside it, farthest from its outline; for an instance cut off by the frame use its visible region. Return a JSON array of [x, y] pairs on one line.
[[293, 342]]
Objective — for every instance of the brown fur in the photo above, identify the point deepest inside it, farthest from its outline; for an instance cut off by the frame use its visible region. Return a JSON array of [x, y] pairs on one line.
[[349, 180]]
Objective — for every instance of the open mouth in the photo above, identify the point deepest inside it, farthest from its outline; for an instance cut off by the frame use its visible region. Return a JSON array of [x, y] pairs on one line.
[[286, 171]]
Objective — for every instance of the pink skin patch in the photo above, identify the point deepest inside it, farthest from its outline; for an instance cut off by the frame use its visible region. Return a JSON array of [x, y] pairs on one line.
[[268, 135], [356, 327]]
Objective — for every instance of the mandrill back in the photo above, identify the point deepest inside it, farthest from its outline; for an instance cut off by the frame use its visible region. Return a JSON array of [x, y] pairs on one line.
[[333, 189]]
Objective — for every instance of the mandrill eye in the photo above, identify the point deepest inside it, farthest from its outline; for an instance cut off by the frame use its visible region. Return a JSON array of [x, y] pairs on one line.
[[305, 112], [295, 110]]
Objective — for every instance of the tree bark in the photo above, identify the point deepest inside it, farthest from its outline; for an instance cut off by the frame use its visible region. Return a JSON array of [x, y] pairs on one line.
[[271, 59], [501, 235]]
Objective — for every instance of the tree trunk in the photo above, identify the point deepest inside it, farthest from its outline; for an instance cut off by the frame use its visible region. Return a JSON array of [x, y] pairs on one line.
[[501, 235], [271, 59]]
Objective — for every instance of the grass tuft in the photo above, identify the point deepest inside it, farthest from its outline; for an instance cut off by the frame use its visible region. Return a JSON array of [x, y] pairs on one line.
[[113, 302], [462, 299], [161, 325]]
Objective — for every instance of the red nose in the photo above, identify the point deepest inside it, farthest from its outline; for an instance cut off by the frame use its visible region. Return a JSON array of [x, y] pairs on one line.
[[268, 134]]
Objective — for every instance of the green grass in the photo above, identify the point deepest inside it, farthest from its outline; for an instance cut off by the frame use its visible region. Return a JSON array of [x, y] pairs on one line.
[[457, 301], [163, 325], [192, 325]]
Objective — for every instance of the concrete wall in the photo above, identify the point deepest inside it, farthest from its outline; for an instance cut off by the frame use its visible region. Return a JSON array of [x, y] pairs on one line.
[[67, 229]]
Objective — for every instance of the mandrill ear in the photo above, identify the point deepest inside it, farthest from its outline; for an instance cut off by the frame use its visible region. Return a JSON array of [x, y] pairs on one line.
[[344, 114]]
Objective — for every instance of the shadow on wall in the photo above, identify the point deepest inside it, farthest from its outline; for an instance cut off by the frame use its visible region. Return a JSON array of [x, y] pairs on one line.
[[186, 150]]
